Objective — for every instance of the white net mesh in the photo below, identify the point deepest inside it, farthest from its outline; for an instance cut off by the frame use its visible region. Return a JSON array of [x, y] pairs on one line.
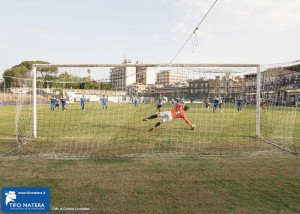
[[228, 129]]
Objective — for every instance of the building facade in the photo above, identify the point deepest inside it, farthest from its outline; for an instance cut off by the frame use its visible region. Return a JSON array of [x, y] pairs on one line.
[[279, 83], [167, 77], [227, 86], [282, 84], [121, 77], [199, 87], [145, 76], [137, 89]]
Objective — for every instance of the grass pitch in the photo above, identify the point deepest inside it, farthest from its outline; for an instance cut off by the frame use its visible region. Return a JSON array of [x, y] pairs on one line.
[[120, 131], [257, 184]]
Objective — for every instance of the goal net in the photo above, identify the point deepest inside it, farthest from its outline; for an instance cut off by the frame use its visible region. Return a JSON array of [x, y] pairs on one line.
[[97, 111]]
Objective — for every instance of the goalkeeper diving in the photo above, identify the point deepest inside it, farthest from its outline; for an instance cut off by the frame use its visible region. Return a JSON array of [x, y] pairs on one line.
[[174, 113]]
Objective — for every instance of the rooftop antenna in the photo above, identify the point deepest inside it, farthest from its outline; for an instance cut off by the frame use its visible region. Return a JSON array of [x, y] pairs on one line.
[[124, 61]]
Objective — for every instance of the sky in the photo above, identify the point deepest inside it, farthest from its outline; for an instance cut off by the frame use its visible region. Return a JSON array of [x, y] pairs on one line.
[[150, 31]]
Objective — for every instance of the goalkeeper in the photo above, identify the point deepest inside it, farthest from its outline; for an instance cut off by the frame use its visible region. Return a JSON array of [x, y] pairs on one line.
[[174, 113]]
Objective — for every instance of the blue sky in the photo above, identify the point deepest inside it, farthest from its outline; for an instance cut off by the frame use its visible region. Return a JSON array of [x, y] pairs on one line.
[[151, 31]]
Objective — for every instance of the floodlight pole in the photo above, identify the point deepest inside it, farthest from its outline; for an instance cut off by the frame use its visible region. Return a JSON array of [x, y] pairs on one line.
[[258, 101], [34, 133]]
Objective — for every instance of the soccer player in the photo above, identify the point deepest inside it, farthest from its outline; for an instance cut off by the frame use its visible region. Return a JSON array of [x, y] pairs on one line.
[[82, 101], [63, 103], [216, 102], [135, 102], [159, 103], [177, 100], [182, 100], [207, 103], [53, 102], [104, 101], [220, 103], [174, 113], [57, 104], [240, 103]]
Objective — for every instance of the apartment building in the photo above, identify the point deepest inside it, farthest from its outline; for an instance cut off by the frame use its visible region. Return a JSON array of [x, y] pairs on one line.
[[199, 87], [145, 75], [137, 89], [225, 86], [167, 77], [121, 77]]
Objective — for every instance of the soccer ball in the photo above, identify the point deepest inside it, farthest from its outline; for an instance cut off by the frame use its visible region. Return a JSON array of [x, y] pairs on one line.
[[193, 127]]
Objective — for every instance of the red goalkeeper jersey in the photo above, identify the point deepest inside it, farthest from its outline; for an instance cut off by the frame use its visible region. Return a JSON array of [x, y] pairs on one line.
[[178, 112]]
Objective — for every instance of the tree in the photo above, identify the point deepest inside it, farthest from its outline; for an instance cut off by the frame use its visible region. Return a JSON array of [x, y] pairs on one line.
[[105, 86], [48, 76], [15, 76], [42, 70], [49, 80]]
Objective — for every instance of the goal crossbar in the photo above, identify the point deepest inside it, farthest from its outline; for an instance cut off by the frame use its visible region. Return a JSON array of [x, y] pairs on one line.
[[148, 65]]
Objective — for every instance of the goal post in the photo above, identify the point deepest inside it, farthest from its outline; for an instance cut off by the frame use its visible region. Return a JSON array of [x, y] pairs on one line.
[[105, 105], [258, 102], [34, 116]]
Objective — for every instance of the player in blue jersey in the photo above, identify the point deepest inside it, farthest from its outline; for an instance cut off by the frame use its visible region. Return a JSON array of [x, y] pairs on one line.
[[63, 103], [216, 102], [135, 100], [159, 103], [82, 101], [239, 103], [177, 100], [53, 102], [104, 101]]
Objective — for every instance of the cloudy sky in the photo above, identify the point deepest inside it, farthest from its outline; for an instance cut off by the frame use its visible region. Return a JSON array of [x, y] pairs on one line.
[[150, 31]]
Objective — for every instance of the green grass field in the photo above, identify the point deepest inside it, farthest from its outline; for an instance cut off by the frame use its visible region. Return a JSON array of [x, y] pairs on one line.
[[120, 131], [250, 184]]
